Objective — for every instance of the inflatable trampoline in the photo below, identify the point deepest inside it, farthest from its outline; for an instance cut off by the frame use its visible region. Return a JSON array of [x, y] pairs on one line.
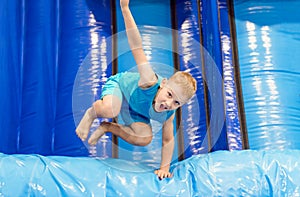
[[238, 136]]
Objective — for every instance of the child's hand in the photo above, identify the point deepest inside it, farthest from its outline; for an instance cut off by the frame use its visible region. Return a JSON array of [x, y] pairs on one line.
[[163, 174], [124, 3]]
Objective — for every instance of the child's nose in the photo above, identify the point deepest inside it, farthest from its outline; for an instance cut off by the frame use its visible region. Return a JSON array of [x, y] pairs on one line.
[[169, 103]]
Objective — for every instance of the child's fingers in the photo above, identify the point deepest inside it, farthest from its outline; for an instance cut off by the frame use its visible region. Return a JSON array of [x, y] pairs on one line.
[[162, 174]]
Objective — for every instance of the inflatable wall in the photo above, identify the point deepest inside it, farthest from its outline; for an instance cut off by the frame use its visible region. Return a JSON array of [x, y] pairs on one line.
[[56, 56]]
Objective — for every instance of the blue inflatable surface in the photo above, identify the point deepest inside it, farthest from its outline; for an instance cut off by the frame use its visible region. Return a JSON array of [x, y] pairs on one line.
[[222, 173], [55, 54]]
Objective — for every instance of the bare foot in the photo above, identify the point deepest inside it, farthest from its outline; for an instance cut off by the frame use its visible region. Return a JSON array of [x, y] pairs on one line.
[[84, 126], [98, 133]]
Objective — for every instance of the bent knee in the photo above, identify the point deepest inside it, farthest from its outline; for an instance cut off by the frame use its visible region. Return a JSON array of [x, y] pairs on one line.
[[143, 141], [143, 133], [99, 108], [106, 109]]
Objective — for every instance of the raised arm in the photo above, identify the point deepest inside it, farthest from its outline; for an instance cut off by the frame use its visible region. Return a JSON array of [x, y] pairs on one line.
[[147, 75]]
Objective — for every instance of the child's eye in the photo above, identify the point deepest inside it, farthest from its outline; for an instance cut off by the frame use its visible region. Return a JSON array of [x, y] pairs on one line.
[[177, 103]]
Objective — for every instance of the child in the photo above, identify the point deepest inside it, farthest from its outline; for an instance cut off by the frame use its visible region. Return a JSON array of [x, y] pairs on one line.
[[139, 97]]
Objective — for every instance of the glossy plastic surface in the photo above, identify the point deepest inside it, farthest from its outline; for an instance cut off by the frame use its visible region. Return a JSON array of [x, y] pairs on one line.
[[44, 43], [55, 57], [222, 173], [268, 38], [42, 47]]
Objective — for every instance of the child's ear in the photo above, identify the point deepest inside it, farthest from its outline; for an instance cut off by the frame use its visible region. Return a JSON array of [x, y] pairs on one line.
[[163, 82]]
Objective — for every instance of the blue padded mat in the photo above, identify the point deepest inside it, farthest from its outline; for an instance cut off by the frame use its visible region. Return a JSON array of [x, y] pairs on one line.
[[222, 173]]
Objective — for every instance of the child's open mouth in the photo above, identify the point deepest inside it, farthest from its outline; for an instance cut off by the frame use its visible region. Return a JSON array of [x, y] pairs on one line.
[[162, 107]]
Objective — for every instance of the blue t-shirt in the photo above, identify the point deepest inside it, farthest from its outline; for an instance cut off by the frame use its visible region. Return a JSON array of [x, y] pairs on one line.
[[137, 103]]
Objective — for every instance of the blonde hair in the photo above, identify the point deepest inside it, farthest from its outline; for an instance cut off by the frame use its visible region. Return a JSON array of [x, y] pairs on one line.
[[186, 81]]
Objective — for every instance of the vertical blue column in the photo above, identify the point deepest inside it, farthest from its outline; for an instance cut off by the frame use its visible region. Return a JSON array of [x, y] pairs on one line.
[[268, 38], [38, 77], [73, 48], [213, 73], [84, 65], [95, 69], [10, 73], [193, 121], [234, 135]]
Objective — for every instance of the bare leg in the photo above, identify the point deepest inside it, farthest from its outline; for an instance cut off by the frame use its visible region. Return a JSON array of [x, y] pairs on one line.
[[139, 134], [98, 133], [108, 107], [84, 126]]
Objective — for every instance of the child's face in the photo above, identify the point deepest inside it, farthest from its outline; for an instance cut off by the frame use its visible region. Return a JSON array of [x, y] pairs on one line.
[[169, 97]]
